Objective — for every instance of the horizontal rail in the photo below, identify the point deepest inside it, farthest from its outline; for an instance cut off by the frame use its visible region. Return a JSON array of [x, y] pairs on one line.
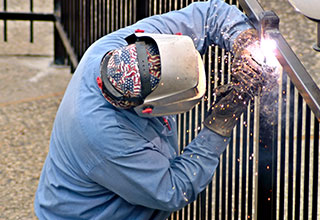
[[27, 16], [287, 58]]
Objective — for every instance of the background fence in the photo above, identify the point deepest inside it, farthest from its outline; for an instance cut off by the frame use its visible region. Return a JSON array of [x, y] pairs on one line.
[[270, 170]]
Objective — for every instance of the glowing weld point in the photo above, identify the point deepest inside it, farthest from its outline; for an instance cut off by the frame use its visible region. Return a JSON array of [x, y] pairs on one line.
[[268, 47]]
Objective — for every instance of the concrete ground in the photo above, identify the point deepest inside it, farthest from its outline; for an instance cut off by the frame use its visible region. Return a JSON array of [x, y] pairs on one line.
[[31, 89]]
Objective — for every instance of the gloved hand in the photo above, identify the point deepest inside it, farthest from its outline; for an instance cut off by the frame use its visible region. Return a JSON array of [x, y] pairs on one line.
[[247, 66], [225, 112], [249, 71]]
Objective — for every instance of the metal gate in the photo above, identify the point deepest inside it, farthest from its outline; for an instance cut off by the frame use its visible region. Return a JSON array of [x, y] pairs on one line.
[[270, 170]]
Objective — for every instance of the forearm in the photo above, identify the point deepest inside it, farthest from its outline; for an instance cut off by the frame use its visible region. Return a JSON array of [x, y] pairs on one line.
[[199, 161]]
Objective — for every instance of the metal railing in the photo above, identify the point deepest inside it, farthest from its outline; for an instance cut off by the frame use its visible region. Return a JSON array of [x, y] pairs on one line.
[[27, 16], [270, 169]]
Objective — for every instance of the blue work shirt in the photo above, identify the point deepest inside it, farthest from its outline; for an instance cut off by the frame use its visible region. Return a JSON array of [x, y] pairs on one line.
[[109, 163]]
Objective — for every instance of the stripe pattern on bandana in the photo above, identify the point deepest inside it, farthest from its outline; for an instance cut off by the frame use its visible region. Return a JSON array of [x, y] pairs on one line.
[[123, 72]]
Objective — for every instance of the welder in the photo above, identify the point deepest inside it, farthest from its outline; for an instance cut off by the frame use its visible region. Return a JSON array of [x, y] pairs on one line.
[[113, 150]]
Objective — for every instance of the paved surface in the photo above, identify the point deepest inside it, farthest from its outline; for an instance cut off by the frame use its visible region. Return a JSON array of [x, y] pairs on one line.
[[31, 89]]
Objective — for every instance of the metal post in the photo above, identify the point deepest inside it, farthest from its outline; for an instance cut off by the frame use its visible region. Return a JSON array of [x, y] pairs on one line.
[[142, 9], [59, 51], [5, 22], [317, 45], [31, 22]]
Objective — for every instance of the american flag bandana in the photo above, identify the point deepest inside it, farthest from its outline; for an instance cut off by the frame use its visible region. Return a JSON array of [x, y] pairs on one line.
[[123, 72]]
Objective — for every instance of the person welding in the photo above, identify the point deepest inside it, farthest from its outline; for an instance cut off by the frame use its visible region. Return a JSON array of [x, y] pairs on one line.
[[113, 150]]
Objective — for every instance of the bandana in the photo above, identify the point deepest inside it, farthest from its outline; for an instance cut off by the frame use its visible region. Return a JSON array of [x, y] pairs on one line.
[[123, 72]]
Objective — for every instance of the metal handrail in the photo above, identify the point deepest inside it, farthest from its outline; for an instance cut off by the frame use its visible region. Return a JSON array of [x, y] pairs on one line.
[[287, 58]]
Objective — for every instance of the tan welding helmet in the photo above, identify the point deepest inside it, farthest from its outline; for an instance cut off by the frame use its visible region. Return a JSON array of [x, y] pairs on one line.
[[183, 80]]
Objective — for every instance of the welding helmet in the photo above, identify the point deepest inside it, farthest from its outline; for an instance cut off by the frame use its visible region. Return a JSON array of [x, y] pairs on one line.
[[182, 81]]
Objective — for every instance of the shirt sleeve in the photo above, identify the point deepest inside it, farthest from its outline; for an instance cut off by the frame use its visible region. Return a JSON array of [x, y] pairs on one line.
[[141, 174], [207, 23]]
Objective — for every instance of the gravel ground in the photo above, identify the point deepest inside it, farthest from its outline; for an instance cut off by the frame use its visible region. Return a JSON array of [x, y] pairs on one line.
[[34, 87], [31, 91]]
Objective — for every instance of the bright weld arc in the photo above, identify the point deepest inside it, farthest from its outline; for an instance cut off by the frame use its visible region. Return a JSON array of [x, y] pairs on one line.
[[268, 47]]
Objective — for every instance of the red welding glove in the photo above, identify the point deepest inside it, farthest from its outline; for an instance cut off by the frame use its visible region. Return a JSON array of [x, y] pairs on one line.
[[247, 66]]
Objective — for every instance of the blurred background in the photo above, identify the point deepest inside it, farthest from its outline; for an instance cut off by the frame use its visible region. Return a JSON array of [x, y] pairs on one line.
[[32, 87]]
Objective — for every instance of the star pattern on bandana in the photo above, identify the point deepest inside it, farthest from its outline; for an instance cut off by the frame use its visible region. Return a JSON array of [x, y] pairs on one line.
[[123, 71]]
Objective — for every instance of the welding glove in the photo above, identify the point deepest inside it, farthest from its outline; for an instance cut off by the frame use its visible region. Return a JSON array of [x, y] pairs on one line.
[[225, 112], [247, 65]]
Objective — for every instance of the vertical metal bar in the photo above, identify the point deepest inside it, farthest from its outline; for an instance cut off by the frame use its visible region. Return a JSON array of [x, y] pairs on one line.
[[108, 19], [97, 19], [243, 138], [5, 35], [135, 11], [287, 149], [302, 156], [295, 149], [240, 136], [279, 155], [306, 163], [77, 28], [31, 22], [298, 157], [292, 150], [117, 13], [190, 132], [94, 20], [233, 188], [256, 154], [69, 12], [282, 142], [72, 24], [225, 71], [103, 18], [87, 23], [130, 12], [311, 167], [316, 185], [122, 11], [84, 24], [210, 192], [82, 15], [59, 51], [142, 9], [247, 162], [235, 161], [112, 16]]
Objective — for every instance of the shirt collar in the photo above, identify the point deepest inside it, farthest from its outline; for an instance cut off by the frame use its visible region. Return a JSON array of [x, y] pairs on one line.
[[138, 121]]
